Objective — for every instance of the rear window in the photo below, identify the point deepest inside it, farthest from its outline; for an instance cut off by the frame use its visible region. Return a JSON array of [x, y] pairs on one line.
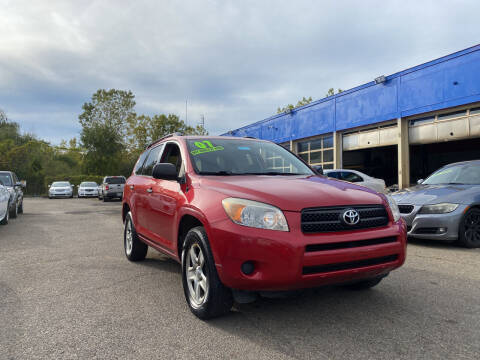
[[115, 180]]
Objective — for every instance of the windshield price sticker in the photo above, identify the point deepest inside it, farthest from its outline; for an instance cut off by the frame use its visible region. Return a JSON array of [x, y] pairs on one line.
[[204, 147]]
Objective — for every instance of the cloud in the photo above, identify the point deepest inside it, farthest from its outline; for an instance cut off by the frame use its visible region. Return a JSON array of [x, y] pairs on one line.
[[235, 62]]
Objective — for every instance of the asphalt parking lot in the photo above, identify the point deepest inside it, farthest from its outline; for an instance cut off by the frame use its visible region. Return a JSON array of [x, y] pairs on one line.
[[68, 292]]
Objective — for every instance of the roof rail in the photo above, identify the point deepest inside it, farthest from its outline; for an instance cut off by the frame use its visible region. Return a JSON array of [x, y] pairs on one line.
[[164, 137]]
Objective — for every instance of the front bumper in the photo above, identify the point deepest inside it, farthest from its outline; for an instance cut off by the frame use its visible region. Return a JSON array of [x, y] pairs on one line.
[[434, 226], [60, 195], [88, 193], [282, 260]]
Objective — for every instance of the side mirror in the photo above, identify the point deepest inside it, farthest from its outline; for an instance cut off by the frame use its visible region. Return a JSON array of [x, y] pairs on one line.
[[165, 171], [48, 185], [419, 181], [318, 169]]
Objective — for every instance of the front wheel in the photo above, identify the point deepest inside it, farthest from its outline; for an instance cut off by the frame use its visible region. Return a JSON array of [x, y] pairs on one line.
[[469, 233], [20, 208], [14, 211], [135, 249], [206, 296]]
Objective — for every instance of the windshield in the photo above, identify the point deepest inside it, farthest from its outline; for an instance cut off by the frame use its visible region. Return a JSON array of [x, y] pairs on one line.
[[464, 174], [61, 184], [88, 184], [115, 180], [243, 157], [5, 179]]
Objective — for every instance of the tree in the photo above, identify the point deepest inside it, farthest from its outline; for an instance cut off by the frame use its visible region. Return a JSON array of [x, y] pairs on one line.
[[104, 128], [289, 107], [144, 129], [331, 92]]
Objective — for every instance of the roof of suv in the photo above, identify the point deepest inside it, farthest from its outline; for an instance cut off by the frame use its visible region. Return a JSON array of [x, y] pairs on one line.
[[193, 137]]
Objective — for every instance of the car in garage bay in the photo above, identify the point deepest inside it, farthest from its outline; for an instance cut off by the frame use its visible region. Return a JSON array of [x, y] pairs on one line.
[[245, 216], [445, 206], [356, 177]]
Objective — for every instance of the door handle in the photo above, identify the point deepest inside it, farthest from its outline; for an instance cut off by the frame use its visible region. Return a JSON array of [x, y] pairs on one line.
[[131, 187], [149, 190]]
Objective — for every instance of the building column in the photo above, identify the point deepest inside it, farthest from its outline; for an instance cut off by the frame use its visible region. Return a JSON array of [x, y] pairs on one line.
[[337, 150], [291, 146], [403, 154]]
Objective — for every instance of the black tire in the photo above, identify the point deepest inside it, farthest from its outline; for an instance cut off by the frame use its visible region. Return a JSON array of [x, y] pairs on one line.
[[469, 232], [14, 211], [20, 208], [217, 299], [99, 197], [137, 250], [365, 284], [4, 221]]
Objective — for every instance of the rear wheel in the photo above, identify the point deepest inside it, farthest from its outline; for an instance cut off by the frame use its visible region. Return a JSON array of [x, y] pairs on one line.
[[469, 233], [135, 249], [20, 208], [365, 284], [206, 296], [14, 211]]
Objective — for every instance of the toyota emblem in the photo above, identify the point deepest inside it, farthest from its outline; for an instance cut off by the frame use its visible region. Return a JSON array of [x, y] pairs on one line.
[[351, 217]]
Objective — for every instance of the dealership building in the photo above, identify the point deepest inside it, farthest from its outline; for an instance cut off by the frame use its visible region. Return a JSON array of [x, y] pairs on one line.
[[399, 127]]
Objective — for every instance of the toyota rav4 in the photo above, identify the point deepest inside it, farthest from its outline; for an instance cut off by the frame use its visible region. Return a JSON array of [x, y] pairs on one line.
[[244, 216]]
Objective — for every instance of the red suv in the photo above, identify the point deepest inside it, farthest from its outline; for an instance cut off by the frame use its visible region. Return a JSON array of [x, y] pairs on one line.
[[244, 216]]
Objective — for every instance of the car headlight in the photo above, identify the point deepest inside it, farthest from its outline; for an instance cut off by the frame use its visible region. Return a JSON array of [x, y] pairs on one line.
[[393, 207], [255, 214], [442, 208]]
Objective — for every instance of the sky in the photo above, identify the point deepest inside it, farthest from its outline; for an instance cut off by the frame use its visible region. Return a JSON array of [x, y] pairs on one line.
[[234, 62]]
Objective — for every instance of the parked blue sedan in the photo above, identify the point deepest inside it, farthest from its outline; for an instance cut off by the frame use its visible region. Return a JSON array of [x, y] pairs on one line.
[[445, 206]]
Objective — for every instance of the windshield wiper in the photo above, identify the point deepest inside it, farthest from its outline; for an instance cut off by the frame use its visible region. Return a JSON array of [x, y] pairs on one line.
[[271, 173], [217, 173]]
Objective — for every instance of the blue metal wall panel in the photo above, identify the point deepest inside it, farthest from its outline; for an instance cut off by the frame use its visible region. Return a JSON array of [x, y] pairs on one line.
[[449, 81]]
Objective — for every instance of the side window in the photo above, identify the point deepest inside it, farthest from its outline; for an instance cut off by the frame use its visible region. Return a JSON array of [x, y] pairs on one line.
[[152, 159], [334, 174], [351, 177], [173, 156], [140, 161]]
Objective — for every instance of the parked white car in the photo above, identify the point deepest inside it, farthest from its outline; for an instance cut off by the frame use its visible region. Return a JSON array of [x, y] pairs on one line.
[[88, 189], [60, 189], [4, 205], [357, 177]]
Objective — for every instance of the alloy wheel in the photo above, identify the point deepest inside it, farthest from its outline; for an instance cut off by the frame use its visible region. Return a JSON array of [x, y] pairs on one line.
[[129, 238], [195, 273], [472, 227]]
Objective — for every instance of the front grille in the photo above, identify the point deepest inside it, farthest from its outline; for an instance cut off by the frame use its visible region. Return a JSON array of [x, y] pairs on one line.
[[405, 209], [328, 219], [318, 269], [350, 244]]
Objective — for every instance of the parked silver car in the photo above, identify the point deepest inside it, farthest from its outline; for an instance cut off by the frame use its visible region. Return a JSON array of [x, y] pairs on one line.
[[357, 177], [445, 206], [88, 189], [4, 204], [60, 189], [10, 180], [112, 187]]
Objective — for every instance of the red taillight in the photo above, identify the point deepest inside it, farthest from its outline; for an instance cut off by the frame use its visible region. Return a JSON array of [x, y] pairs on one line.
[[106, 187]]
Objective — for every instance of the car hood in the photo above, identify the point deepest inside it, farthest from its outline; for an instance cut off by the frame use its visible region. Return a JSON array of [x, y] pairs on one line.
[[292, 193], [434, 194], [61, 188], [88, 188]]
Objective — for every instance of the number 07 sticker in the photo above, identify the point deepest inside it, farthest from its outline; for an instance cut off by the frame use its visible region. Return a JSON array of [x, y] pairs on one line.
[[204, 147]]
